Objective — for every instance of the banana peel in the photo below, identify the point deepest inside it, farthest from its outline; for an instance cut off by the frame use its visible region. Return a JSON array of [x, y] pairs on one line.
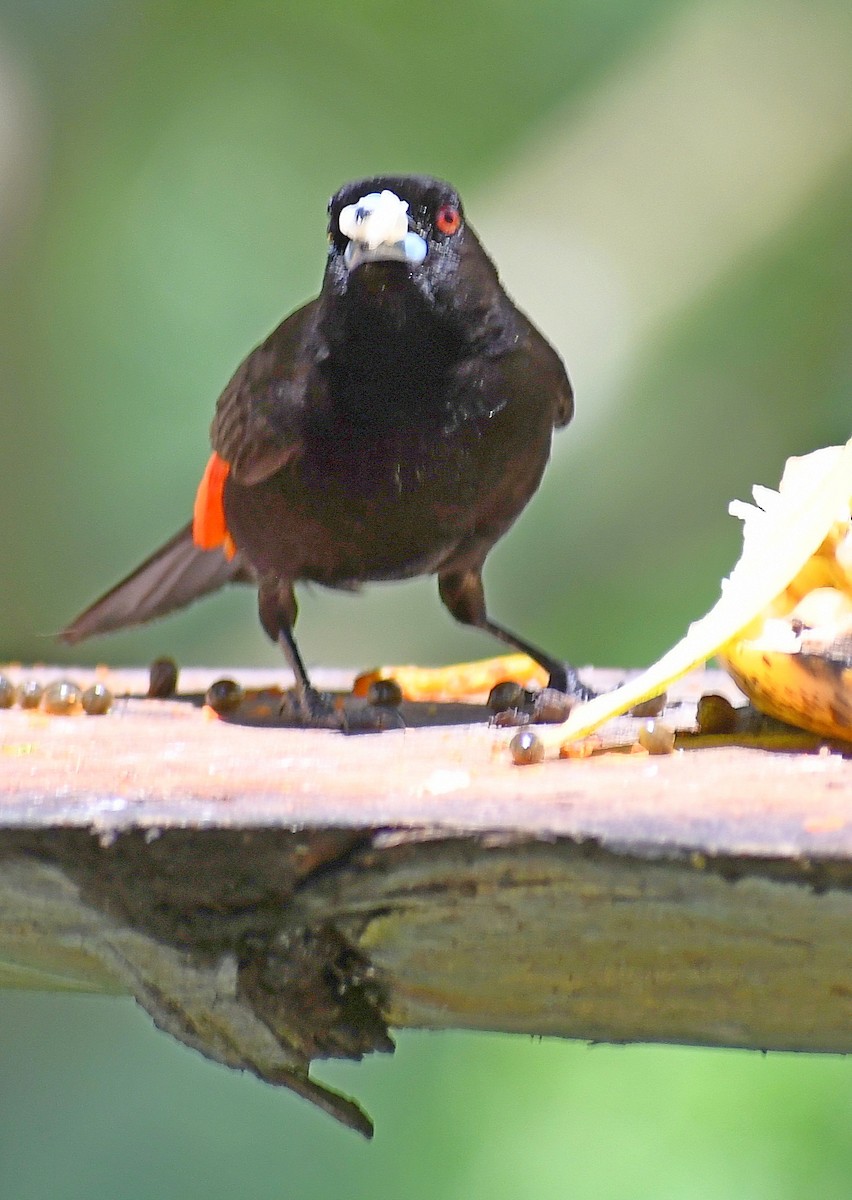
[[782, 626]]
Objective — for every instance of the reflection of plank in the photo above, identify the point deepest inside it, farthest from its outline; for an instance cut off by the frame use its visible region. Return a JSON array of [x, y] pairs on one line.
[[273, 895]]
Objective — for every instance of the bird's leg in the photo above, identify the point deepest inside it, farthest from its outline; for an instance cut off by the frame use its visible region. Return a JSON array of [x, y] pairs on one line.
[[276, 603], [287, 643], [278, 609], [463, 594]]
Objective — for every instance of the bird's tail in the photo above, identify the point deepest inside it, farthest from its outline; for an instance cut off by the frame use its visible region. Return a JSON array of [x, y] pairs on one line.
[[175, 575]]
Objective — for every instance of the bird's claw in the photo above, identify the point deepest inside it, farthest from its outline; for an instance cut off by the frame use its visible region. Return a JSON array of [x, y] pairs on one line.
[[564, 678], [312, 709]]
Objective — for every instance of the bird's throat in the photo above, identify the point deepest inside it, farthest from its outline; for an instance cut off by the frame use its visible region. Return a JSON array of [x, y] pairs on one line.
[[390, 351]]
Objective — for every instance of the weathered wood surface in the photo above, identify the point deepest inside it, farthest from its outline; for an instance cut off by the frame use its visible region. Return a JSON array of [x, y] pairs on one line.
[[157, 764], [275, 895]]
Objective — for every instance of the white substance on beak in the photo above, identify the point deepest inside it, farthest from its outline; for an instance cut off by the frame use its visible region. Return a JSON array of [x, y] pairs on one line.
[[378, 219]]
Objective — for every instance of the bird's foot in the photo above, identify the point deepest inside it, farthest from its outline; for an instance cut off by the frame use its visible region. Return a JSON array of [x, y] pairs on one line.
[[564, 678], [550, 706], [311, 709], [513, 705]]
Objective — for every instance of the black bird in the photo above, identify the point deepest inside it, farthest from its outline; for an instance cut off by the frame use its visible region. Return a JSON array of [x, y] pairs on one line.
[[395, 426]]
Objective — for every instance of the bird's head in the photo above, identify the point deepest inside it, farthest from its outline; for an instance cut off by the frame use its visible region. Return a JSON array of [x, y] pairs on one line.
[[393, 237]]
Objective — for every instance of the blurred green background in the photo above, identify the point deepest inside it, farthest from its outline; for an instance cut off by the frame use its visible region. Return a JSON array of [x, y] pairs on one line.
[[666, 188]]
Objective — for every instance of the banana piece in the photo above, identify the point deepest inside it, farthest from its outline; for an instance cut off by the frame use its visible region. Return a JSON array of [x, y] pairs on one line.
[[783, 623], [796, 663], [469, 682]]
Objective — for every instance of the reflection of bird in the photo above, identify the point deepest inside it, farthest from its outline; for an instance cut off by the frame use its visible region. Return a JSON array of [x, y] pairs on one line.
[[395, 426]]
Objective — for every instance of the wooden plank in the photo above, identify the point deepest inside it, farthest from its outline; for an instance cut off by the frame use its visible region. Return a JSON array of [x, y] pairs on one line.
[[158, 764], [277, 895]]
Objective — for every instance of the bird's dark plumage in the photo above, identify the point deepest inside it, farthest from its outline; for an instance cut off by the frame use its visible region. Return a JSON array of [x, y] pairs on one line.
[[395, 426]]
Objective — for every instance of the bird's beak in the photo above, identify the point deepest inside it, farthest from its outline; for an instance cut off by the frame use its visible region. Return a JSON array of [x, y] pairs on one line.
[[377, 227]]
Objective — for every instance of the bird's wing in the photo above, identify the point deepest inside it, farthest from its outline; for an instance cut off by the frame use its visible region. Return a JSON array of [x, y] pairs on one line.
[[257, 426], [547, 370], [532, 367], [564, 405]]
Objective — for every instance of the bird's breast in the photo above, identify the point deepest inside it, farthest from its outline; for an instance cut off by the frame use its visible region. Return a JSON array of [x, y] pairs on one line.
[[390, 490]]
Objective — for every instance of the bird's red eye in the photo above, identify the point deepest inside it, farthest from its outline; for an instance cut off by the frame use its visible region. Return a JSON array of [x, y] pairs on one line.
[[447, 219]]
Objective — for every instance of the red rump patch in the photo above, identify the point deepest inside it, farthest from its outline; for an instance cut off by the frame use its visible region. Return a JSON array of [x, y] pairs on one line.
[[209, 530]]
